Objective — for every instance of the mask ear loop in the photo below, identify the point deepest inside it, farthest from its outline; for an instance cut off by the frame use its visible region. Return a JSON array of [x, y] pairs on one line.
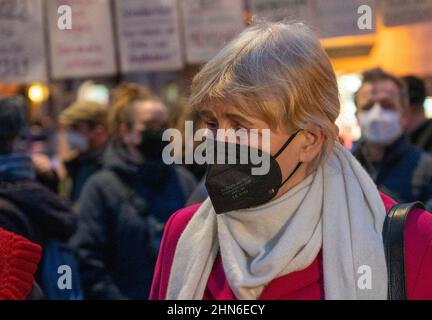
[[291, 174], [282, 150], [286, 143]]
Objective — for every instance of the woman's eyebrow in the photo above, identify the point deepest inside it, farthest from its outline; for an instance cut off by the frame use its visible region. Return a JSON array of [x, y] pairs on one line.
[[206, 114], [239, 119]]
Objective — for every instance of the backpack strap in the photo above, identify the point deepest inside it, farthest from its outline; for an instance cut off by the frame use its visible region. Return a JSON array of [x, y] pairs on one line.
[[393, 234]]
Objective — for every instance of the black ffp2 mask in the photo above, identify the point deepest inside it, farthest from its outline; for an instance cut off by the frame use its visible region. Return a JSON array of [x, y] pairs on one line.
[[233, 186], [152, 145]]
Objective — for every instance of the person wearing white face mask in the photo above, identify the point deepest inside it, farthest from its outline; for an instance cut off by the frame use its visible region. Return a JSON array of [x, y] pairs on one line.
[[397, 167], [82, 152], [380, 125]]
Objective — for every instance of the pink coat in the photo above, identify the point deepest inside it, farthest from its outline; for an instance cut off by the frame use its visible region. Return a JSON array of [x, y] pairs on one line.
[[306, 284]]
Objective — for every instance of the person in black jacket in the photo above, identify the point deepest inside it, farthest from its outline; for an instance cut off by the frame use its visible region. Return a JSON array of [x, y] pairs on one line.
[[418, 127], [27, 208], [124, 206]]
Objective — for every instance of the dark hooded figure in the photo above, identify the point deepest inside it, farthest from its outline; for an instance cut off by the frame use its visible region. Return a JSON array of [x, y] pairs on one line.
[[27, 208]]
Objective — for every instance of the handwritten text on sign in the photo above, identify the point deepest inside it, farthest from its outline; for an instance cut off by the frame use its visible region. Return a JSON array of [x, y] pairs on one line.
[[87, 49], [399, 12], [148, 33], [209, 25], [341, 18], [22, 54], [275, 10]]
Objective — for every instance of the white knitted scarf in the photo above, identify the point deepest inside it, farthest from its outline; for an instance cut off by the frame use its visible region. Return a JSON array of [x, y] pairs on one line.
[[337, 208]]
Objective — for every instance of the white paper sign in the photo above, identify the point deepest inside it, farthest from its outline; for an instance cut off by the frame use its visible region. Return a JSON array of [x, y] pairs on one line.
[[342, 18], [275, 10], [209, 25], [87, 48], [399, 12], [22, 42], [148, 35]]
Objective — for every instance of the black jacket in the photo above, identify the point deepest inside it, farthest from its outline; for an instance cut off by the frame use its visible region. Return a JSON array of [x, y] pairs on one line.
[[123, 208], [42, 216], [422, 136], [404, 173], [29, 209]]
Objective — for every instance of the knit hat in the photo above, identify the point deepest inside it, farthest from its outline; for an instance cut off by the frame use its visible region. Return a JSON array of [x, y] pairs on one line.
[[18, 262], [84, 111]]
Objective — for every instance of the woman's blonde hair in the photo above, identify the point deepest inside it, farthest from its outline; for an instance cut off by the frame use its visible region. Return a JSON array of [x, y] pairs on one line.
[[122, 109], [278, 72]]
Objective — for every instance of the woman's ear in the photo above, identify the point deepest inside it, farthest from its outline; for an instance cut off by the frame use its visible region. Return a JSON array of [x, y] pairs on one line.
[[313, 140]]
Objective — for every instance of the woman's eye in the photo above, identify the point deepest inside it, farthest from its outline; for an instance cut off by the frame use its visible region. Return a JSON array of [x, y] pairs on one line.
[[211, 125]]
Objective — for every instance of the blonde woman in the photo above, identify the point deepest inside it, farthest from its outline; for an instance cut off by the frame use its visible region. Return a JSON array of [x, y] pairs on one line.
[[310, 227]]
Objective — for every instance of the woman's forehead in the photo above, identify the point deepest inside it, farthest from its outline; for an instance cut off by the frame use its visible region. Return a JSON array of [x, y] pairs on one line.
[[150, 111]]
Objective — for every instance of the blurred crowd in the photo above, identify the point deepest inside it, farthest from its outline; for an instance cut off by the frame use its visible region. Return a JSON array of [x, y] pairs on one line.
[[95, 193]]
